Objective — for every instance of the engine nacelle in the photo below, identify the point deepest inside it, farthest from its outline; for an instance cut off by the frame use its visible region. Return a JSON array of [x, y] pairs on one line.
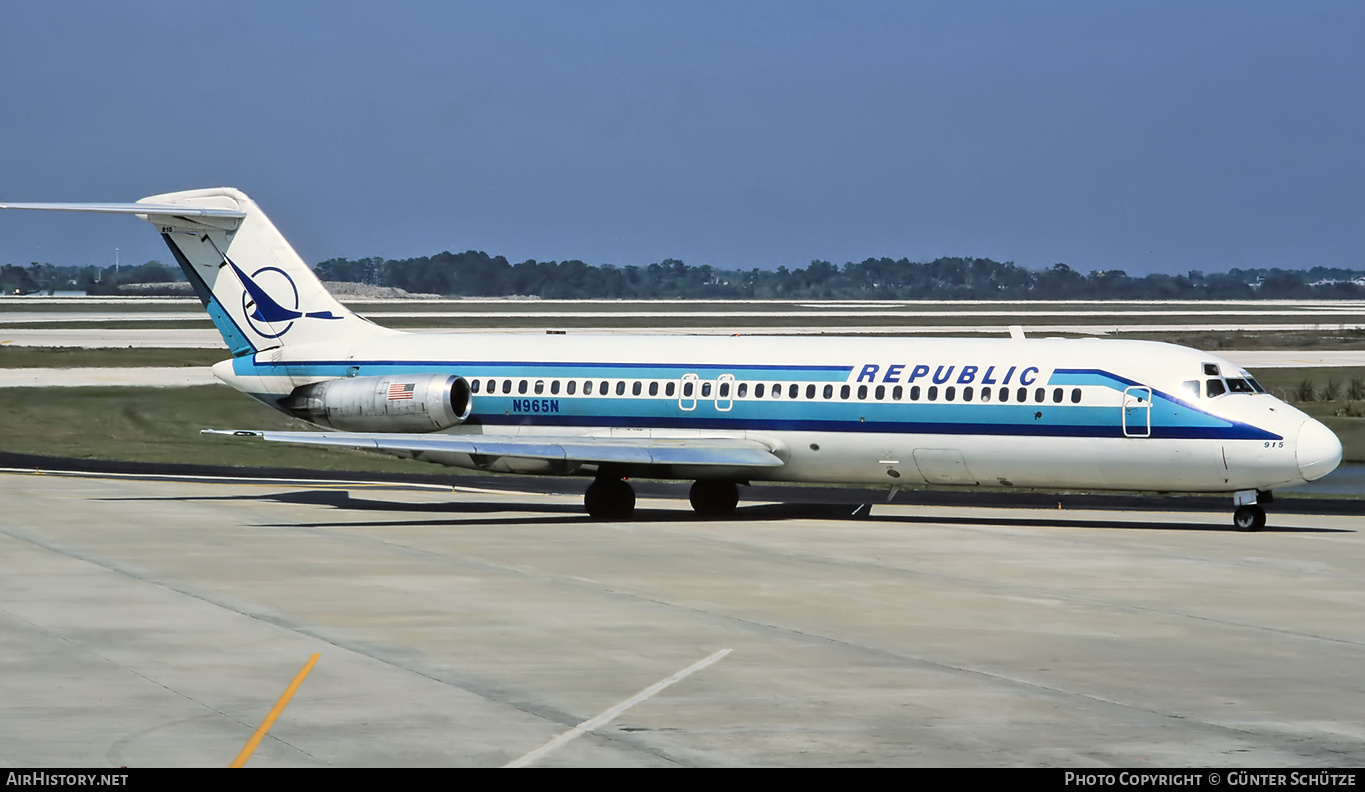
[[394, 403]]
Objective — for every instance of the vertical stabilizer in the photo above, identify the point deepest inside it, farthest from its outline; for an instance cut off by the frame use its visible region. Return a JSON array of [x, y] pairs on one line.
[[256, 289]]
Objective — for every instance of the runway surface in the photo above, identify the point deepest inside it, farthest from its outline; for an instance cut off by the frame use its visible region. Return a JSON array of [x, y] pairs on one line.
[[147, 622]]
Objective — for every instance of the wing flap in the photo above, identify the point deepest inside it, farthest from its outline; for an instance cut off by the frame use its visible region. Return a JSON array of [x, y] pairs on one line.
[[727, 452]]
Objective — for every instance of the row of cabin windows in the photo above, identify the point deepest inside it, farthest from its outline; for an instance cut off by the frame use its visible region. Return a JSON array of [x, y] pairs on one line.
[[692, 389]]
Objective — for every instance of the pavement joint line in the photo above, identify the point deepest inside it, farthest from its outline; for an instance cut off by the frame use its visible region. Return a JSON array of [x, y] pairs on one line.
[[610, 714], [82, 646], [473, 685]]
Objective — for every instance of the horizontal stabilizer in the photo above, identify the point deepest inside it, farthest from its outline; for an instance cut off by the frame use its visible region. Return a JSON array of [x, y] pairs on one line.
[[720, 452], [170, 210]]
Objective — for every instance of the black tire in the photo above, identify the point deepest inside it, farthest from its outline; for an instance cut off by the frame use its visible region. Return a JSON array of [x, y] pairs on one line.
[[1249, 518], [609, 499], [714, 498]]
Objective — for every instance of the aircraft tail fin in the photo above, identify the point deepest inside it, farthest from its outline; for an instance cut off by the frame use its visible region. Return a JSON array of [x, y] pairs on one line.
[[256, 289]]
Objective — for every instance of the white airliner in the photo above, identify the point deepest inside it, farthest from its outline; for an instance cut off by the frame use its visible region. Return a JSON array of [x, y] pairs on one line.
[[1007, 412]]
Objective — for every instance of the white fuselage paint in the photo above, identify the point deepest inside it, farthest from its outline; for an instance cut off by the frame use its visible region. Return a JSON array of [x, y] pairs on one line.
[[1135, 424]]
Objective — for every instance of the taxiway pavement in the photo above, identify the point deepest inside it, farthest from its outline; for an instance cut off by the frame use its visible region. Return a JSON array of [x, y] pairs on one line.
[[154, 622]]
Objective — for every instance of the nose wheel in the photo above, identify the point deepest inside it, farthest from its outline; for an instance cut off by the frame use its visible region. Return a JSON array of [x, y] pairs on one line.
[[1249, 517]]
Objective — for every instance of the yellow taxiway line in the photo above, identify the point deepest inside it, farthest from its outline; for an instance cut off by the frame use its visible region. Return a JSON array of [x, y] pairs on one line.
[[269, 721]]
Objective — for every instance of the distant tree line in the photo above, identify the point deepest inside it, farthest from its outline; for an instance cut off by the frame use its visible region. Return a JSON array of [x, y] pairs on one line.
[[477, 274], [46, 278]]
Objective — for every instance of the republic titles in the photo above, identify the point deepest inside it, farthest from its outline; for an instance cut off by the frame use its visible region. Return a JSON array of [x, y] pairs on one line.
[[951, 374]]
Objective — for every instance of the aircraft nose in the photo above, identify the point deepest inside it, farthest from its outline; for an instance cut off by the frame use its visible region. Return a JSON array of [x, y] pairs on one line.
[[1318, 451]]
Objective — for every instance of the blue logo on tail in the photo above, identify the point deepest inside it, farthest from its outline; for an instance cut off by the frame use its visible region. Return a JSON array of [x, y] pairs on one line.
[[268, 317]]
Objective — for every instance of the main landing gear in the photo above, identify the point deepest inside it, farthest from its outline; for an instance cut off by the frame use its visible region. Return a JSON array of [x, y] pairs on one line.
[[1250, 515], [610, 497], [712, 498]]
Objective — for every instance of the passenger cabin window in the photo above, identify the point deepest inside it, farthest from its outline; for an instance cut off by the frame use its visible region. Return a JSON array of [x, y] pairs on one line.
[[758, 391], [474, 386], [1076, 395], [571, 387]]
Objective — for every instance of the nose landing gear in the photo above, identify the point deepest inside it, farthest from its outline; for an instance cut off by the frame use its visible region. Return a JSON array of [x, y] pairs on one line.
[[1249, 518], [1250, 515]]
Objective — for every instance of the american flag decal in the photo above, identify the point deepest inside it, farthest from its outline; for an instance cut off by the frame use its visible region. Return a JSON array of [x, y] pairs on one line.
[[401, 390]]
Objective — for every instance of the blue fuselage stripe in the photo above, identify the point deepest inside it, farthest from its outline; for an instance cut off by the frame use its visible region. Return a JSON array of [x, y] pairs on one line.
[[1175, 418]]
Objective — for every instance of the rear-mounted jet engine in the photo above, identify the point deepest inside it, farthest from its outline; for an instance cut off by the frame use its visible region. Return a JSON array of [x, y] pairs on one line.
[[406, 403]]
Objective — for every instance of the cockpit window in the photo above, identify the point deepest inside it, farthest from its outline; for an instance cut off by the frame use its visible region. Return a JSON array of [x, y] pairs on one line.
[[1190, 389], [1244, 384], [1211, 369]]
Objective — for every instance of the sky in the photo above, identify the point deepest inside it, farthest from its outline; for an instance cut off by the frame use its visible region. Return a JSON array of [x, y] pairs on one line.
[[1141, 136]]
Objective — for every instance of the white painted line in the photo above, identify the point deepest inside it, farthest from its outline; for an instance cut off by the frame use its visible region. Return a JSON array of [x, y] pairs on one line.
[[606, 717]]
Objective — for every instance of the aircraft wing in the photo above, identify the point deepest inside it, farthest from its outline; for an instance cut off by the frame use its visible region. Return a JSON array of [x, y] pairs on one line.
[[726, 452]]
